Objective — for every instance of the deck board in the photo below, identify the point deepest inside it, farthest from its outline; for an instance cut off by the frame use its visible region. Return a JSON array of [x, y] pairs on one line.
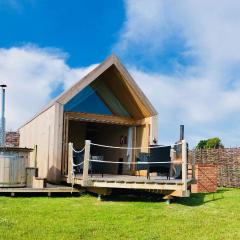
[[49, 189], [131, 179], [108, 181]]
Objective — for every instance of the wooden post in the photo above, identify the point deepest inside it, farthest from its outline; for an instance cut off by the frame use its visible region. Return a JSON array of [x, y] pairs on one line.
[[173, 159], [133, 166], [184, 164], [86, 162], [35, 156], [70, 163]]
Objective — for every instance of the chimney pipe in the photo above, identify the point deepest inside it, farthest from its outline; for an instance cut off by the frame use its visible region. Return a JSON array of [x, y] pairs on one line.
[[181, 132], [2, 137]]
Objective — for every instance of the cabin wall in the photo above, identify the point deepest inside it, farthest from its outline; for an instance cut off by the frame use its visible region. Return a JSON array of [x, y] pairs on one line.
[[55, 170], [153, 128], [142, 137], [44, 131], [146, 133]]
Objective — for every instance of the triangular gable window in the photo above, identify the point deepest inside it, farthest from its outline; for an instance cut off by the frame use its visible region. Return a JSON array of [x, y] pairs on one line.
[[96, 98], [87, 101]]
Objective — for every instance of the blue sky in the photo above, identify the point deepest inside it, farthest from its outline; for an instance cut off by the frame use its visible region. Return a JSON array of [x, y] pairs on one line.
[[183, 54], [86, 30]]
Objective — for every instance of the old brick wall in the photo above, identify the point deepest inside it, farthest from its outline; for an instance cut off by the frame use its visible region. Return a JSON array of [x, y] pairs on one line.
[[206, 176], [12, 139], [227, 161]]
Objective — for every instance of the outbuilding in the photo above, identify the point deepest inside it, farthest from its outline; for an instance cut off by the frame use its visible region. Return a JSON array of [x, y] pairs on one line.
[[106, 106]]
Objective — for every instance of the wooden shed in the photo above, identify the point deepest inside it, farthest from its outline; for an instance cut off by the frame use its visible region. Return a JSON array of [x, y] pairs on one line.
[[106, 106]]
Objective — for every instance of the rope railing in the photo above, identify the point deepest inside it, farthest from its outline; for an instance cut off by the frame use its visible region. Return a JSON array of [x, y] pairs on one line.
[[77, 165], [73, 164], [134, 163], [125, 148], [130, 148], [77, 151], [89, 159]]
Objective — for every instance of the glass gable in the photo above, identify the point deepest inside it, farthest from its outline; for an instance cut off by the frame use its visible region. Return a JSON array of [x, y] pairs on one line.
[[87, 101], [96, 98], [110, 99]]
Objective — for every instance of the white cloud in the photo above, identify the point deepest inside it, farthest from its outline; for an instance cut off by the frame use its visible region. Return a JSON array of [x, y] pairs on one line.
[[141, 24], [210, 29], [32, 74], [204, 95], [72, 75], [204, 108]]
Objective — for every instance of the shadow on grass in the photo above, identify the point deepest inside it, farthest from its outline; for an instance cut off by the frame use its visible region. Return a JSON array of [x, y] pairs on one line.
[[133, 196], [196, 199], [124, 195]]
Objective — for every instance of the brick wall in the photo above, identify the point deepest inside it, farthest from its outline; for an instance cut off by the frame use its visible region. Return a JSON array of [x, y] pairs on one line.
[[12, 139], [227, 161], [206, 176]]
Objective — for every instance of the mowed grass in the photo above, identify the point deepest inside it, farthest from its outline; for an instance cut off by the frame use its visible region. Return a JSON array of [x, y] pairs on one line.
[[121, 217]]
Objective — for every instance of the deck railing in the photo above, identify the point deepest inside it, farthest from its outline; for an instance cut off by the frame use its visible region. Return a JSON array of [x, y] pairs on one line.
[[184, 164], [86, 160]]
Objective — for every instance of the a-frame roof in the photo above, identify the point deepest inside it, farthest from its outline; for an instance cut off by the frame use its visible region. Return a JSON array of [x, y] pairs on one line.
[[112, 64]]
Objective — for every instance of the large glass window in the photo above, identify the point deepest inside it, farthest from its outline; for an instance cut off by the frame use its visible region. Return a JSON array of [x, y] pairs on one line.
[[87, 101], [96, 98]]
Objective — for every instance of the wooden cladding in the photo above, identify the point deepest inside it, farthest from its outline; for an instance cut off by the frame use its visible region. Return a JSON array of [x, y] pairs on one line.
[[107, 119]]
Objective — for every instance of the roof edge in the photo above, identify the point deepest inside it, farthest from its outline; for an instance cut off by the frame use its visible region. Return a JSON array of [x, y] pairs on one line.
[[91, 76], [56, 100]]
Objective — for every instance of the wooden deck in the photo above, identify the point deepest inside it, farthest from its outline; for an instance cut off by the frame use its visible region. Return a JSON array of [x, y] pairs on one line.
[[133, 182], [97, 182], [49, 190]]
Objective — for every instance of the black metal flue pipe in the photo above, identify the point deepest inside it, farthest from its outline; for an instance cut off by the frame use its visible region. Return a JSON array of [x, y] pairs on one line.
[[181, 132]]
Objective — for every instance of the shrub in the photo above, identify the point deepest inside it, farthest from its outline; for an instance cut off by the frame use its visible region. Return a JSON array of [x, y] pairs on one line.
[[210, 143]]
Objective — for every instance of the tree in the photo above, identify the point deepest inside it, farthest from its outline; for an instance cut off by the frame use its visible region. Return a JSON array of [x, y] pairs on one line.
[[201, 144], [210, 143]]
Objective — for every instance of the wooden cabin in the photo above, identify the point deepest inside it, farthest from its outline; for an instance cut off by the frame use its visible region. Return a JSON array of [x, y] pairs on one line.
[[106, 106]]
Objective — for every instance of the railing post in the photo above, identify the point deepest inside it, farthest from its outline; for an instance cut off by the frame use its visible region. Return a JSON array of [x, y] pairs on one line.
[[70, 163], [184, 164], [86, 162]]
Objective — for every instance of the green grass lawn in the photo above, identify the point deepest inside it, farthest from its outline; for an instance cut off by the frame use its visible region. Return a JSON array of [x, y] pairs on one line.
[[121, 217]]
